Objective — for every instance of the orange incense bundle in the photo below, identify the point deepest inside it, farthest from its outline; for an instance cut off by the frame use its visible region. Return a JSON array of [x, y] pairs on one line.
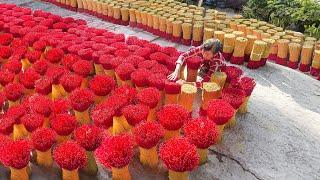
[[27, 79], [69, 156], [150, 97], [235, 97], [134, 114], [172, 118], [172, 91], [81, 100], [180, 157], [13, 92], [42, 105], [147, 135], [55, 73], [16, 155], [117, 152], [89, 137], [140, 78], [315, 67], [220, 112], [63, 125], [123, 74], [70, 82], [43, 86], [193, 64], [247, 84], [42, 140], [83, 68], [101, 86], [102, 117], [187, 96], [203, 133]]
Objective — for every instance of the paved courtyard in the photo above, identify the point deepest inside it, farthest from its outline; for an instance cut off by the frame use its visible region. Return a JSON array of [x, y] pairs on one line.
[[279, 138]]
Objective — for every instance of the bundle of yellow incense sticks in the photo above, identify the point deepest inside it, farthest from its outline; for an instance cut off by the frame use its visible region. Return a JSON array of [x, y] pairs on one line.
[[294, 55]]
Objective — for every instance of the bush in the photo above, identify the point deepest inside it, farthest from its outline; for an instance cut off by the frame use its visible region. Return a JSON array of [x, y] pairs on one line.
[[299, 14]]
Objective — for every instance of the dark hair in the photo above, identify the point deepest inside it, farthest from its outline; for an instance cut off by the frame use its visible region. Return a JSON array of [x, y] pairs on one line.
[[213, 45]]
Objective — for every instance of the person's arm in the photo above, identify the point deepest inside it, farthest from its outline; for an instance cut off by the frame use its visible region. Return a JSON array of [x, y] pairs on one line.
[[181, 60]]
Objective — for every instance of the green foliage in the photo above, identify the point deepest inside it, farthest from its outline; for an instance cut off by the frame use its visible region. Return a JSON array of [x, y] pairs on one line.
[[284, 13], [313, 31], [256, 9]]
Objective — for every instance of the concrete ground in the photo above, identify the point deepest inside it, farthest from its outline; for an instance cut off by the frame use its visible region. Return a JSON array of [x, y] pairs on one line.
[[279, 138]]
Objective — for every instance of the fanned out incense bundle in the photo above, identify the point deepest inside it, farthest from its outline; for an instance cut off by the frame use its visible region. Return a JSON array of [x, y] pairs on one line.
[[42, 140], [228, 45], [306, 58], [283, 50], [83, 68], [70, 82], [101, 86], [235, 97], [81, 100], [13, 93], [135, 114], [150, 97], [89, 137], [140, 78], [102, 116], [55, 73], [315, 67], [187, 96], [180, 157], [15, 113], [172, 118], [203, 133], [294, 55], [43, 86], [63, 125], [28, 79], [247, 84], [123, 73], [147, 135], [70, 157], [266, 51], [256, 54], [116, 152], [16, 155], [220, 112], [239, 48], [115, 103]]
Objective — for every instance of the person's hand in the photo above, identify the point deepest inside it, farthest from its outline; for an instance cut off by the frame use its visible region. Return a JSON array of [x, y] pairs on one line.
[[173, 76]]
